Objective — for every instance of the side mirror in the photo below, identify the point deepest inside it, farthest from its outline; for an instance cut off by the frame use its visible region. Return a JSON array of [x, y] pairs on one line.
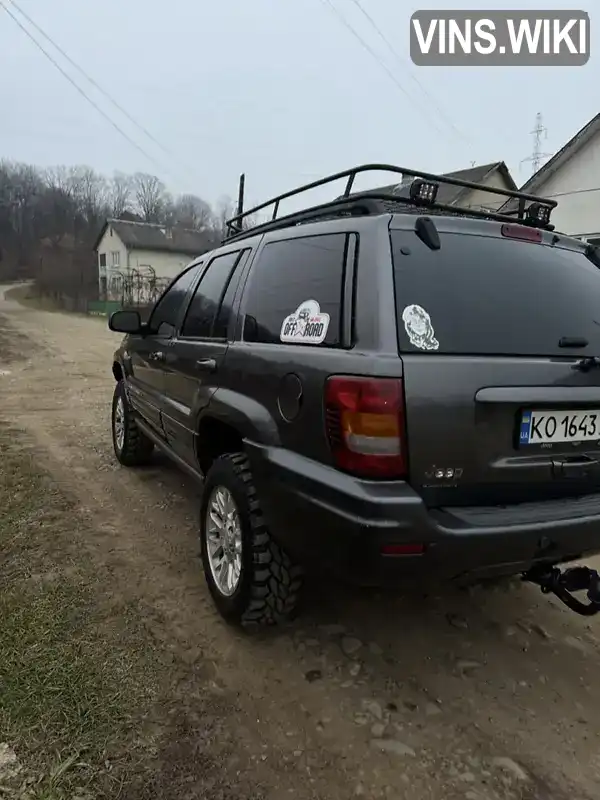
[[125, 322]]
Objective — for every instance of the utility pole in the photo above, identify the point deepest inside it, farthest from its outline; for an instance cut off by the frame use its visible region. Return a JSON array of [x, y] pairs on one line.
[[539, 132]]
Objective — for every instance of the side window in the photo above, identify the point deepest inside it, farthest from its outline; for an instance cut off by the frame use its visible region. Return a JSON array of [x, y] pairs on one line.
[[206, 317], [225, 311], [166, 312], [289, 274]]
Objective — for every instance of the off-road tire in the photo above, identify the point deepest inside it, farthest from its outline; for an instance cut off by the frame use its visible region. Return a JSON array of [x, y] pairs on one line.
[[137, 447], [270, 583]]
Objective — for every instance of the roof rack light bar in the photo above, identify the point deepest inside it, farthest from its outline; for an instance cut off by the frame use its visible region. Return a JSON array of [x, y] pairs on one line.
[[422, 191]]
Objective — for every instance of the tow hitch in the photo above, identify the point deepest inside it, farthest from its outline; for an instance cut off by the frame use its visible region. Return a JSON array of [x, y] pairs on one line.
[[563, 584]]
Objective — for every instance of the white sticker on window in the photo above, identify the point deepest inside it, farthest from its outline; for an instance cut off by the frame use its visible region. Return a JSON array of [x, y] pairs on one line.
[[307, 325], [418, 327]]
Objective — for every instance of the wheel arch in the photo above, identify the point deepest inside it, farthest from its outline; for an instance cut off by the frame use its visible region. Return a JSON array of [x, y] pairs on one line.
[[229, 421], [117, 371], [215, 437]]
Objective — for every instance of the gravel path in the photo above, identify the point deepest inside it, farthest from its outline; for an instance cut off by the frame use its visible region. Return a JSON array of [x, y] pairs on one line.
[[483, 695]]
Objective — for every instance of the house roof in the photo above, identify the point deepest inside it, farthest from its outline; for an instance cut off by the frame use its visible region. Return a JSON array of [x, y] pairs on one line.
[[149, 236], [449, 194], [558, 160]]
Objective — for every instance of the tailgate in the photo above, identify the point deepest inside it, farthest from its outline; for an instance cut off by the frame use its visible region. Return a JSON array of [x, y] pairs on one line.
[[466, 418], [491, 331]]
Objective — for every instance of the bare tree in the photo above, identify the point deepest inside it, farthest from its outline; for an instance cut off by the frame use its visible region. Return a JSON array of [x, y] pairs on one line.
[[191, 211], [93, 196], [120, 194], [226, 209], [150, 195], [59, 178], [50, 218]]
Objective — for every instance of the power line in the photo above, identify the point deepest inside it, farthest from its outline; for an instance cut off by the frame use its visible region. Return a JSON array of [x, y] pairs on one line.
[[575, 191], [402, 60], [91, 80], [372, 52], [66, 75]]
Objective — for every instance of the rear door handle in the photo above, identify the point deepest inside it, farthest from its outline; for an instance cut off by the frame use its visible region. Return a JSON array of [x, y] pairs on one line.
[[157, 356], [206, 365]]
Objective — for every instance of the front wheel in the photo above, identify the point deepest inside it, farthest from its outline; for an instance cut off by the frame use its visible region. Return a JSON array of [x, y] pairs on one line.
[[251, 579], [132, 447]]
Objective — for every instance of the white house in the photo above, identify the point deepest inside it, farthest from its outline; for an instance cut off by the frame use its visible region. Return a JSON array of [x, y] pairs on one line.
[[136, 260], [572, 178], [495, 175]]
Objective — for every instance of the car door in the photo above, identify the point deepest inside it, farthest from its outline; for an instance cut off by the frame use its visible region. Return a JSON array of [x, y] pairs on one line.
[[197, 352], [148, 353]]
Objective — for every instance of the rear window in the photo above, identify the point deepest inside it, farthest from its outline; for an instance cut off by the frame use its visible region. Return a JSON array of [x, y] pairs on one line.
[[288, 274], [493, 296]]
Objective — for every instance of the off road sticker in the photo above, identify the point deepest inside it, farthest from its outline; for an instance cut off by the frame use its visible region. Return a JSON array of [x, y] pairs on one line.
[[307, 325], [418, 327]]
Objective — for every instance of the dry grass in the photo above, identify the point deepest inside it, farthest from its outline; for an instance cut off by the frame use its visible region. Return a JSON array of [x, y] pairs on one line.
[[26, 295], [94, 701], [75, 668]]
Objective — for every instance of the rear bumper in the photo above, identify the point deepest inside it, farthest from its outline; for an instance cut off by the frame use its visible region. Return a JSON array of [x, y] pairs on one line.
[[333, 521]]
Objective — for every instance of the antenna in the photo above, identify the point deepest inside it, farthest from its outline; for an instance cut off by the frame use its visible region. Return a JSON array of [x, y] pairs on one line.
[[240, 203], [538, 133]]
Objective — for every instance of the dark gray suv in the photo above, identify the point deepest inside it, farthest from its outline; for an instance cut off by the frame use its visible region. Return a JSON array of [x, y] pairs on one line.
[[382, 386]]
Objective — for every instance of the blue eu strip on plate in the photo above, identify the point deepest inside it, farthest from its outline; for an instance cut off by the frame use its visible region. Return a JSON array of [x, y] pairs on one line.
[[525, 427]]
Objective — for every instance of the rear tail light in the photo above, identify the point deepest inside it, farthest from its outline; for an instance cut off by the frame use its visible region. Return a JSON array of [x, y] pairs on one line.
[[366, 425]]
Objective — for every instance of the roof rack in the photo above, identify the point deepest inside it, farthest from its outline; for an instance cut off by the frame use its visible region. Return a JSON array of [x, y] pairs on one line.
[[420, 193]]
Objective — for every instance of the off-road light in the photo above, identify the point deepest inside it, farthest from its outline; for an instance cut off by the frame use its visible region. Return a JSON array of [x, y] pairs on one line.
[[423, 192], [538, 213]]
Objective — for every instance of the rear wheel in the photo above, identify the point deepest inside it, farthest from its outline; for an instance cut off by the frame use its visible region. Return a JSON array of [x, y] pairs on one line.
[[251, 579], [132, 447]]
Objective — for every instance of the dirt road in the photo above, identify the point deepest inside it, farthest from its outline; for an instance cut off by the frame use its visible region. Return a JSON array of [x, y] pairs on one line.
[[485, 695]]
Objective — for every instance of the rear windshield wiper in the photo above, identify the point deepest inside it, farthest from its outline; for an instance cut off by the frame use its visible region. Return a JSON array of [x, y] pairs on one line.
[[586, 363]]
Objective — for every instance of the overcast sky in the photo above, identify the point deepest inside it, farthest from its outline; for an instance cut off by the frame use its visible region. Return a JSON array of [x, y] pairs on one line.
[[280, 89]]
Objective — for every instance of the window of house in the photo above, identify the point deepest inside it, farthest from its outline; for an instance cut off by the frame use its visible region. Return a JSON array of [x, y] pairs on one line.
[[103, 287], [165, 315], [288, 274], [211, 306], [102, 259], [115, 258]]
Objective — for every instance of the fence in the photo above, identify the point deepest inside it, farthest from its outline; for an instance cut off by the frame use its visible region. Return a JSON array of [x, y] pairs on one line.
[[138, 287]]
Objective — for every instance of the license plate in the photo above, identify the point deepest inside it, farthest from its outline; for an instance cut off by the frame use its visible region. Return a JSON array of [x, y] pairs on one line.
[[547, 427]]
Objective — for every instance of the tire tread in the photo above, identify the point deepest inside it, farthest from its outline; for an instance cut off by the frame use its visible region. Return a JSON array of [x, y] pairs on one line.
[[137, 447], [276, 581]]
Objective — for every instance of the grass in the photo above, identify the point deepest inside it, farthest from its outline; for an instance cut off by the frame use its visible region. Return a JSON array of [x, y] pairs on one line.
[[95, 701], [76, 673], [26, 295]]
